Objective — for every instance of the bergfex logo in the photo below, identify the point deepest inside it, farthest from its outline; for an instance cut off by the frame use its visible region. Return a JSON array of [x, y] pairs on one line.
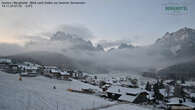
[[175, 8]]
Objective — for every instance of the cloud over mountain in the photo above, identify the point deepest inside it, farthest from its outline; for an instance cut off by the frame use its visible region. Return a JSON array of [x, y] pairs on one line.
[[80, 52], [111, 44]]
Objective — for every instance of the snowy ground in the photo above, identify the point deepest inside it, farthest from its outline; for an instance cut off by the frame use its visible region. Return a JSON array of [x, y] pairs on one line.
[[129, 107], [37, 93]]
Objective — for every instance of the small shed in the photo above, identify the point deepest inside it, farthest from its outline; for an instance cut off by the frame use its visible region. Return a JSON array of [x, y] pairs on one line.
[[64, 75]]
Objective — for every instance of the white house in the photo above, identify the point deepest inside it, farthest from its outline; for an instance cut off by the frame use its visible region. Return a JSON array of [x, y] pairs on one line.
[[28, 70]]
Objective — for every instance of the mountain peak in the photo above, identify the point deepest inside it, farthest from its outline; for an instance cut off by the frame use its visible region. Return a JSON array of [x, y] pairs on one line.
[[178, 36], [185, 30]]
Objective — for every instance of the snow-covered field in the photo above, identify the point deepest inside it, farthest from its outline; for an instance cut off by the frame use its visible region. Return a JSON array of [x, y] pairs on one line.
[[37, 93]]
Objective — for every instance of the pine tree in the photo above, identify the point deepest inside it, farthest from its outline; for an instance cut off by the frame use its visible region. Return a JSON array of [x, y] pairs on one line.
[[182, 80], [148, 86], [161, 85], [157, 94]]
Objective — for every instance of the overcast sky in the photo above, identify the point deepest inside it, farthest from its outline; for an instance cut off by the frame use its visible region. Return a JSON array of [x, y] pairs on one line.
[[138, 21]]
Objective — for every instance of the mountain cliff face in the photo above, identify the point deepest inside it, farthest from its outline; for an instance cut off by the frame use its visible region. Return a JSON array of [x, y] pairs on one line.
[[78, 43], [180, 43]]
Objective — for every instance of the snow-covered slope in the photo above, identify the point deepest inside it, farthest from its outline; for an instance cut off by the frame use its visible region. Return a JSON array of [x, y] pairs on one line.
[[38, 94]]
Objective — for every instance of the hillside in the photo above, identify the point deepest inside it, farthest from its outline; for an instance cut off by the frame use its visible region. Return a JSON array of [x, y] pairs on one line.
[[179, 71]]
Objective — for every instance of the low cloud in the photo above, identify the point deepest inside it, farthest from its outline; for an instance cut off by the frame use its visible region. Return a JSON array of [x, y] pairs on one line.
[[73, 43], [76, 31], [111, 44]]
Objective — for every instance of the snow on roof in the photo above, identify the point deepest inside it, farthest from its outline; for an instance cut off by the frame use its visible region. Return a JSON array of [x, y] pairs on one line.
[[50, 67], [109, 81], [20, 65], [28, 67], [64, 73], [127, 98], [174, 100], [55, 71], [24, 73], [84, 73], [167, 81], [150, 94], [28, 63], [31, 67], [163, 92], [124, 90], [31, 64], [189, 104]]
